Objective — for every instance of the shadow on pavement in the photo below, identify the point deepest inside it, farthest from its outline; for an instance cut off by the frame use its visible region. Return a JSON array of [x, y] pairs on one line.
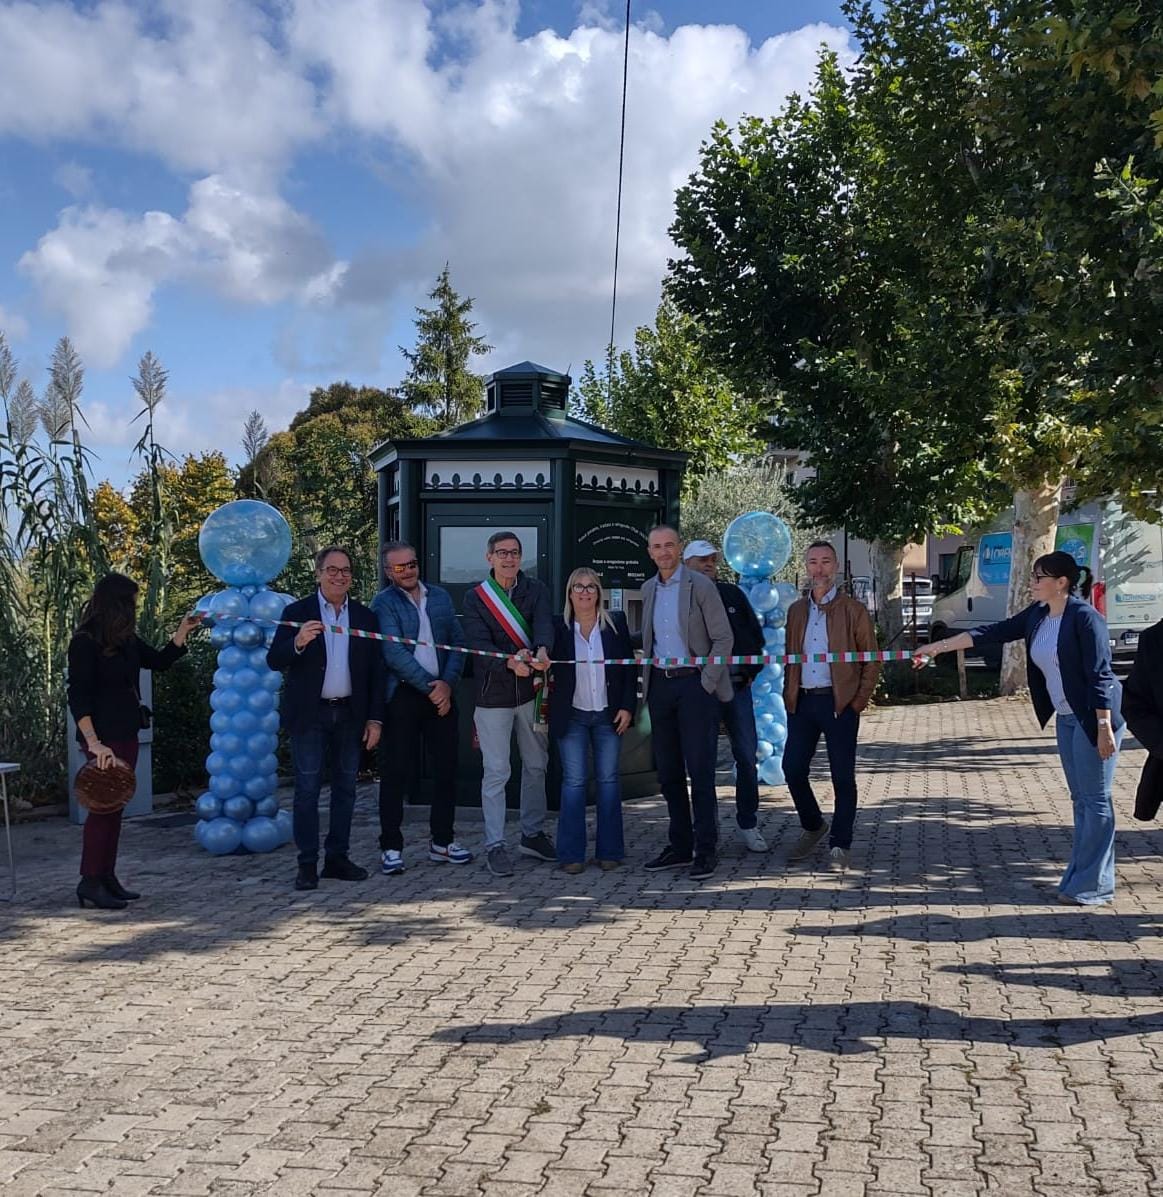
[[838, 1028]]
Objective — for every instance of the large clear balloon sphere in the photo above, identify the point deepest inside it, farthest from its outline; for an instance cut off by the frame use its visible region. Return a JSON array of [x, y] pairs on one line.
[[245, 542], [757, 543]]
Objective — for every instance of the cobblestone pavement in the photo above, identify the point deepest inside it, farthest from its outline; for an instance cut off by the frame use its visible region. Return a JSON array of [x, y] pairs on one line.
[[930, 1022]]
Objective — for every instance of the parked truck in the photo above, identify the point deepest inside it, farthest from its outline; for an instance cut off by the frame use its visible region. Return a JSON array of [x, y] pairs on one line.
[[1124, 554]]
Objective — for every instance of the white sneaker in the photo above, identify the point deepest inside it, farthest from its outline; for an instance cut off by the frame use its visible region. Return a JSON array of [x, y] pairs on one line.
[[451, 854], [840, 858], [391, 862], [753, 838]]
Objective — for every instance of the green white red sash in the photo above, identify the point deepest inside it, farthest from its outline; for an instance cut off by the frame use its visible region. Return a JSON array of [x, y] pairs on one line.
[[498, 602]]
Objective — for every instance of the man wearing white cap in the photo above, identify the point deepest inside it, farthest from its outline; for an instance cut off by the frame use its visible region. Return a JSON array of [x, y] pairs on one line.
[[738, 714]]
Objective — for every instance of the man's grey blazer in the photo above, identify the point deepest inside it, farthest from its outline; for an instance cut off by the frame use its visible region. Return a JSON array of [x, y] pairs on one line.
[[705, 628]]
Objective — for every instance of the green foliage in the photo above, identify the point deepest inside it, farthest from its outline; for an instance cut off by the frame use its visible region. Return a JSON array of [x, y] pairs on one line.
[[439, 383], [181, 727], [319, 477], [746, 486], [666, 392]]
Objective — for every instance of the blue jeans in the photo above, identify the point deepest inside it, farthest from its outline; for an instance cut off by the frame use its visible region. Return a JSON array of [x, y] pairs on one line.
[[339, 736], [739, 720], [588, 730], [815, 716], [1090, 875], [684, 722]]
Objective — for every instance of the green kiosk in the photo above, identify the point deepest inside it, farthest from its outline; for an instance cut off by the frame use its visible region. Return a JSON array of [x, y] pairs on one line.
[[574, 493]]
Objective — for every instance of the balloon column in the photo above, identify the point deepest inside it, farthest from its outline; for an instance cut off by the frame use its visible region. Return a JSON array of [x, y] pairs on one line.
[[245, 544], [757, 545]]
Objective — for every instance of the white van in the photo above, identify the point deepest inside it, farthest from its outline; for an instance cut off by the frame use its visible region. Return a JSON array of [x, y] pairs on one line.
[[1124, 554]]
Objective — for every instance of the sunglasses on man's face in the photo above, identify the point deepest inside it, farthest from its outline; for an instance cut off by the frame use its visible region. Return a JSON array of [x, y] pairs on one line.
[[404, 566]]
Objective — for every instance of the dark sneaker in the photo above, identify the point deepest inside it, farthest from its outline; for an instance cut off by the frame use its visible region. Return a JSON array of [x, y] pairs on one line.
[[539, 846], [705, 864], [668, 858], [307, 877], [339, 868], [497, 860]]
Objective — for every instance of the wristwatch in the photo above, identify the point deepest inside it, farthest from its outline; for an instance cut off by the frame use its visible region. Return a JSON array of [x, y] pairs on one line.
[[1104, 723]]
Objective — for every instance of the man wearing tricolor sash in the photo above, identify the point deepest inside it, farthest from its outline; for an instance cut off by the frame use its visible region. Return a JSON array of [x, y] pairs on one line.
[[510, 613]]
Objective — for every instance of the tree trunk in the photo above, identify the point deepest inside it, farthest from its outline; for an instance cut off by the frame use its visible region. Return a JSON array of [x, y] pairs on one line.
[[1035, 524], [886, 573]]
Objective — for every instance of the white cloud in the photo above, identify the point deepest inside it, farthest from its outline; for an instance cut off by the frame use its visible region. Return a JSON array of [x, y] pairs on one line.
[[13, 325], [100, 267], [74, 178], [201, 86], [508, 145]]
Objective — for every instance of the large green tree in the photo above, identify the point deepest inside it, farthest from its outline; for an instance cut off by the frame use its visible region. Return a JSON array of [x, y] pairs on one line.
[[667, 392], [318, 474], [439, 383]]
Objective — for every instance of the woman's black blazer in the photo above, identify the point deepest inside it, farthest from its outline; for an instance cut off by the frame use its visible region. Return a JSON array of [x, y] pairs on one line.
[[621, 680]]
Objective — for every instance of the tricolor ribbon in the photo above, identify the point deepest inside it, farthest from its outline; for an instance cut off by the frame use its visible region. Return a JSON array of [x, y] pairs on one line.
[[847, 658]]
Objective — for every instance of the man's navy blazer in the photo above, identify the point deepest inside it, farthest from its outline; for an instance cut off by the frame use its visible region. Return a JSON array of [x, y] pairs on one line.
[[1084, 660], [300, 708], [621, 680], [1143, 705]]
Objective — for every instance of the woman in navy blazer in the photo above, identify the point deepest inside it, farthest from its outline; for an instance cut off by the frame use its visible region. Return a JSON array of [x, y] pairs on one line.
[[590, 712], [1069, 670]]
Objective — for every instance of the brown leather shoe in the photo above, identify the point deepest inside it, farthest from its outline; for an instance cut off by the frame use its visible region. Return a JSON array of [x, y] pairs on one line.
[[607, 865], [574, 866]]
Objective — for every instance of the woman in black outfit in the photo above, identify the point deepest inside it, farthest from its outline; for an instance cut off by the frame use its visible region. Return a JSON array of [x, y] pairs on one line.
[[105, 657]]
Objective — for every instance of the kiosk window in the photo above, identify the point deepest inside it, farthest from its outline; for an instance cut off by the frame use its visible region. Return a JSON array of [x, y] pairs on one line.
[[462, 553]]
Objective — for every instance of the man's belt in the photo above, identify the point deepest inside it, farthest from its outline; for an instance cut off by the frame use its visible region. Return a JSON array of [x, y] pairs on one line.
[[676, 671], [815, 689]]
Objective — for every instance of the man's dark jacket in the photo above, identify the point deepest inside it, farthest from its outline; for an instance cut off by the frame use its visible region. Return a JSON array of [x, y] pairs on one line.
[[746, 629], [1143, 708], [300, 708], [496, 684]]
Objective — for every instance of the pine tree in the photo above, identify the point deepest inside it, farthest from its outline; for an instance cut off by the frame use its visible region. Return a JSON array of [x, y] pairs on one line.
[[439, 383]]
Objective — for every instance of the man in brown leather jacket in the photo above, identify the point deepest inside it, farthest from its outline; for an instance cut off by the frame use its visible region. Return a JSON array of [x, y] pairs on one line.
[[826, 699]]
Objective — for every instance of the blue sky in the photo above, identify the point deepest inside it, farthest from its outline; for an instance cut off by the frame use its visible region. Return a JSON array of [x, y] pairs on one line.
[[261, 193]]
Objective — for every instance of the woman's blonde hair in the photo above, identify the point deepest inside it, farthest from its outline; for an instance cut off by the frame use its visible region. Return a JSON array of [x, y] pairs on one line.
[[584, 574]]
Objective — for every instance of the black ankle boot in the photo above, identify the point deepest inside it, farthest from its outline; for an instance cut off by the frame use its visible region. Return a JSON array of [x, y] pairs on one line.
[[118, 890], [92, 890]]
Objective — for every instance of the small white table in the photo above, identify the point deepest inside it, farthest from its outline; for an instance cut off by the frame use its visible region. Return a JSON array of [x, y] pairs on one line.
[[7, 767]]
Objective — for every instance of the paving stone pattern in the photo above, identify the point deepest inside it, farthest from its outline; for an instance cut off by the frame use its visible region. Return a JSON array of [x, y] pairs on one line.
[[930, 1022]]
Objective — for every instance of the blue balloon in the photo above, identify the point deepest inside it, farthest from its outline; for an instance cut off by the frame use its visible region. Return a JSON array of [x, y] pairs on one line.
[[269, 636], [228, 603], [246, 679], [268, 765], [771, 771], [267, 604], [223, 678], [244, 721], [216, 762], [271, 681], [260, 743], [221, 836], [239, 807], [269, 722], [766, 724], [775, 619], [777, 734], [249, 591], [199, 831], [286, 825], [760, 688], [208, 806], [763, 597], [245, 542], [256, 658], [232, 658], [216, 742], [226, 700], [261, 834], [268, 807], [787, 594], [772, 638], [757, 543], [231, 743], [247, 635], [763, 750], [260, 701], [220, 636], [203, 605], [261, 785], [225, 785], [219, 721], [242, 766]]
